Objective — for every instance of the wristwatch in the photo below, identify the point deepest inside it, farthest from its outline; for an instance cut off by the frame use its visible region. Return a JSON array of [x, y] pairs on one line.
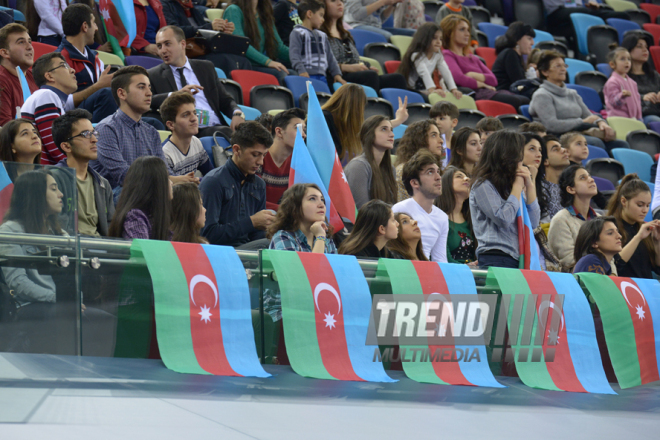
[[239, 113]]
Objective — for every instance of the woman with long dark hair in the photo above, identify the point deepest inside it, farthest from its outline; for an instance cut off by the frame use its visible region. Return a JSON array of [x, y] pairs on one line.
[[466, 149], [511, 47], [20, 142], [597, 243], [500, 183], [44, 20], [370, 174], [144, 209], [534, 157], [301, 224], [643, 73], [188, 214], [374, 227], [454, 201], [629, 205], [408, 243]]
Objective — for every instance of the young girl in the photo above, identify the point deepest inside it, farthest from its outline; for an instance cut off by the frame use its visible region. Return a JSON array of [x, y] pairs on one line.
[[461, 244], [301, 224], [576, 145], [20, 142], [598, 241], [423, 59], [466, 147], [145, 204], [408, 244], [418, 135], [641, 241], [188, 214], [620, 91], [374, 227], [498, 182], [370, 174]]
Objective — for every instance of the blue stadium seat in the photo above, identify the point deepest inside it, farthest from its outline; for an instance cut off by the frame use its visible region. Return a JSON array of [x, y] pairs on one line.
[[251, 113], [18, 15], [207, 143], [393, 95], [298, 86], [622, 26], [589, 96], [595, 153], [575, 67], [603, 184], [581, 23], [370, 92], [524, 109], [492, 31], [634, 162], [362, 38], [542, 36], [649, 215], [399, 131], [604, 68], [221, 73]]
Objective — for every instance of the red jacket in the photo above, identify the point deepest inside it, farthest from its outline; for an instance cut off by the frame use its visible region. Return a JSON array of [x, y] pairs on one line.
[[139, 42]]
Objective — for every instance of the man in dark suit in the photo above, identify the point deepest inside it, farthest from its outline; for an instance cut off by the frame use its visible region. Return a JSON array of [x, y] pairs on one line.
[[197, 77]]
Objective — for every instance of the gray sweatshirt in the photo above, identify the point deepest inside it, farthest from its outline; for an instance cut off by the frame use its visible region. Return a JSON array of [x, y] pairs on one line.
[[559, 109], [356, 14], [310, 52]]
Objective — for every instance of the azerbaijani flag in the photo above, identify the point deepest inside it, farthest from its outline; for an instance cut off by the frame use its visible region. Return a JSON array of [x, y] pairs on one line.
[[203, 327], [529, 249], [324, 154], [6, 190], [304, 171], [326, 306], [568, 358], [119, 22], [429, 278], [630, 311]]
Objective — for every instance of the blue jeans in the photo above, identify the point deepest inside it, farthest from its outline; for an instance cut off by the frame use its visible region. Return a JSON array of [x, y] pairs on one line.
[[607, 146], [650, 118], [276, 73], [100, 104], [494, 260], [320, 78], [378, 30]]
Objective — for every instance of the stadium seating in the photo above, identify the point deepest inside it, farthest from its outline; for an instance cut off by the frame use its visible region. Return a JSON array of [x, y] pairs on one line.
[[621, 5], [639, 16], [604, 68], [402, 42], [164, 134], [466, 102], [606, 168], [644, 140], [207, 143], [469, 118], [146, 62], [604, 185], [432, 7], [589, 96], [512, 122], [43, 49], [250, 78], [374, 63], [492, 31], [634, 162], [399, 131], [298, 86], [321, 96], [213, 14], [382, 52], [652, 9], [623, 26], [488, 54], [581, 23], [494, 108], [524, 109], [552, 45], [269, 97], [575, 67], [362, 38], [654, 30], [378, 106], [529, 11], [107, 58], [595, 153], [623, 126], [479, 15], [393, 95], [221, 73], [482, 39], [391, 66], [591, 79], [599, 39], [542, 36], [370, 92], [418, 112], [251, 114], [234, 89]]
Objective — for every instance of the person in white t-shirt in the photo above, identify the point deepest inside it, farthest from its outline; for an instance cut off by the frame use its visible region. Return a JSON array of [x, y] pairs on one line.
[[183, 151], [422, 179]]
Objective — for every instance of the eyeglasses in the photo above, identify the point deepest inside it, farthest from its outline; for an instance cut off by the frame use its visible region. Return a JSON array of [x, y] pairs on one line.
[[559, 66], [87, 134], [61, 65]]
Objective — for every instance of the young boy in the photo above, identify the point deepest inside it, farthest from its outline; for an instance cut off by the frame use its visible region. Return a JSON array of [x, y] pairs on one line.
[[488, 126], [183, 152], [445, 115], [309, 48], [456, 7]]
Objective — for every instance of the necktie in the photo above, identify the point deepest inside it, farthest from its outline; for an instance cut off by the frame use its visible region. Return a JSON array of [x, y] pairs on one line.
[[182, 77]]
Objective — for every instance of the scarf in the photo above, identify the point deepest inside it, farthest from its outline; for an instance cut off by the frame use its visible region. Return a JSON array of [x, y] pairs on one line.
[[187, 6]]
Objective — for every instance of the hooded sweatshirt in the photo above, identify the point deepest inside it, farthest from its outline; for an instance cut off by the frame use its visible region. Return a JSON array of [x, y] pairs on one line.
[[310, 52]]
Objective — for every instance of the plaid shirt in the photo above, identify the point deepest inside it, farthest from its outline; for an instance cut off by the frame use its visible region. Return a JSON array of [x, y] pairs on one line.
[[296, 241], [136, 225], [121, 141]]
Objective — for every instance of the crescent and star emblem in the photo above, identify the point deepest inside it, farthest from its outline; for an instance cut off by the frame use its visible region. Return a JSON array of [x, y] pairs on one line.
[[553, 335], [329, 317], [204, 312], [625, 285]]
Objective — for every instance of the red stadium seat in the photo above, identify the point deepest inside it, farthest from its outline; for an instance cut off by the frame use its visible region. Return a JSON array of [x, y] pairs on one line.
[[391, 66], [494, 108], [42, 49], [655, 54], [653, 10], [250, 78], [653, 29], [488, 54]]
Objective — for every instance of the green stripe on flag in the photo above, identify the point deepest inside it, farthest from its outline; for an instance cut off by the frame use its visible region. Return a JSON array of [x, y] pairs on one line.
[[172, 305], [617, 326], [512, 282], [298, 317], [405, 281]]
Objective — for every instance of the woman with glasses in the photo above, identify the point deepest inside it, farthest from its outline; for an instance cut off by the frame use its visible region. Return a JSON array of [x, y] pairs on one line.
[[561, 109]]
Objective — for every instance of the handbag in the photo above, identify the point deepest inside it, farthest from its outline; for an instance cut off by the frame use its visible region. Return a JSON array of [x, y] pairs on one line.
[[220, 154], [195, 47], [220, 42]]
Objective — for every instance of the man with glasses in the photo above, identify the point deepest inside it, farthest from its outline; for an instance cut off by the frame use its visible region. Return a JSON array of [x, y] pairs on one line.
[[76, 138], [423, 181], [56, 82]]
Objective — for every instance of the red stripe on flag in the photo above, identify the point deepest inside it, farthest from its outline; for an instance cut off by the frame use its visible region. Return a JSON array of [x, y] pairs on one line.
[[527, 246], [329, 315], [204, 302], [340, 192], [561, 370], [5, 199], [643, 325], [433, 281]]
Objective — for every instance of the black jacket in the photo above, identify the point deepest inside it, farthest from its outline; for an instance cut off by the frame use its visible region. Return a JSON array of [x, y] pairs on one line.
[[176, 15]]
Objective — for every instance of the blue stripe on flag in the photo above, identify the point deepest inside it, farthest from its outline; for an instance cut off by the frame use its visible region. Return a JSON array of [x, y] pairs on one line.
[[534, 261], [581, 334], [4, 177], [235, 312], [305, 170], [356, 304], [322, 148], [24, 86], [651, 290], [126, 12], [460, 281]]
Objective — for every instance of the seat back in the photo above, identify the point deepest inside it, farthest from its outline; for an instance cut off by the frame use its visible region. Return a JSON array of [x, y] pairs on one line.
[[634, 162], [466, 102], [654, 30], [378, 106], [655, 55], [482, 39], [644, 140], [604, 68], [492, 31], [512, 122], [43, 49], [250, 78], [213, 14], [146, 62], [622, 26], [382, 52], [589, 96], [582, 22], [595, 153], [399, 131], [164, 134], [488, 54], [234, 89], [530, 11], [603, 184], [639, 16], [621, 5], [468, 118], [374, 63], [418, 112], [207, 143], [575, 67], [251, 114], [298, 86], [542, 36], [524, 109], [606, 168], [494, 108], [321, 96], [402, 42], [363, 37], [267, 97], [623, 126], [599, 39], [221, 73], [592, 79], [107, 58], [393, 95], [479, 15], [552, 45], [392, 66], [652, 9], [431, 8]]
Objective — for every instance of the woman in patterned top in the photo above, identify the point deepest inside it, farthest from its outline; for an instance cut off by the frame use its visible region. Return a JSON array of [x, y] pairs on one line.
[[301, 220], [597, 243], [454, 201]]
